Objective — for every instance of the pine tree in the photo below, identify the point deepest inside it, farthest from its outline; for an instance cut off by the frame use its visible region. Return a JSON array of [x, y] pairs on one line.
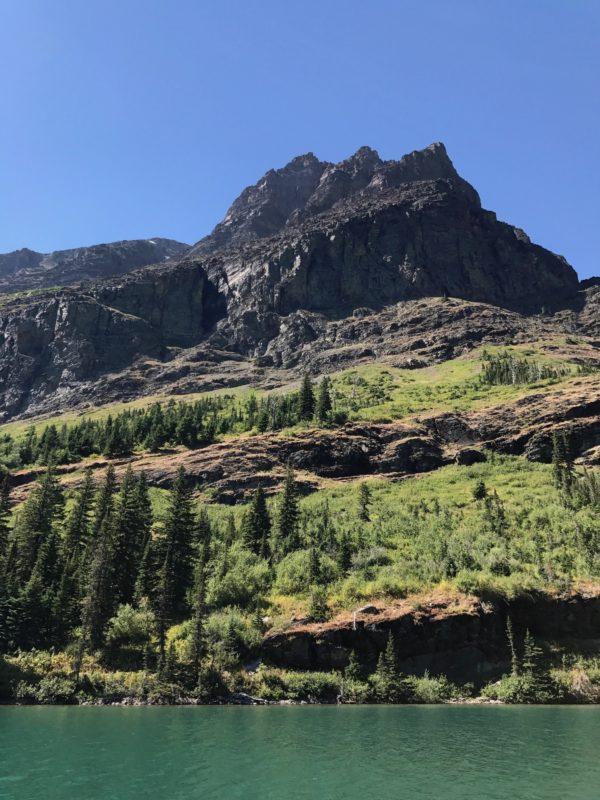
[[4, 516], [354, 670], [104, 503], [256, 528], [78, 524], [323, 403], [129, 537], [514, 659], [289, 516], [99, 601], [178, 537], [389, 680], [344, 554], [364, 502], [318, 609], [40, 511], [199, 612], [306, 400], [558, 459], [480, 491]]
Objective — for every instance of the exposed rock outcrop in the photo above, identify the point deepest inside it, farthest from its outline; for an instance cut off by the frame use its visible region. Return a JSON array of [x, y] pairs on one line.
[[27, 269], [318, 266], [461, 637]]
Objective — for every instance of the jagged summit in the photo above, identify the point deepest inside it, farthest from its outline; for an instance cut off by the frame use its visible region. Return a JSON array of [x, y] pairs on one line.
[[306, 186], [300, 256]]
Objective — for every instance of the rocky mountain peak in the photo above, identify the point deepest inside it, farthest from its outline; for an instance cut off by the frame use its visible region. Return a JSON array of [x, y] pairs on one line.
[[305, 186]]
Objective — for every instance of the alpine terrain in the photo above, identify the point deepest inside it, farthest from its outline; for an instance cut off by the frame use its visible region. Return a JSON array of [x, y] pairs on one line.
[[343, 448]]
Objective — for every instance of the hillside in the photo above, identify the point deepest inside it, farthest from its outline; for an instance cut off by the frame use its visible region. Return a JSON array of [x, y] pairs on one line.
[[345, 448]]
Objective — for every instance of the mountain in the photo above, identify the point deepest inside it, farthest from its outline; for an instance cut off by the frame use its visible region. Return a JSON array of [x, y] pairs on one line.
[[280, 283], [26, 269], [383, 403]]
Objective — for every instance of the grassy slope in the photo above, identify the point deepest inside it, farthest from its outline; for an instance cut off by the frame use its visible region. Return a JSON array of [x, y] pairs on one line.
[[377, 392]]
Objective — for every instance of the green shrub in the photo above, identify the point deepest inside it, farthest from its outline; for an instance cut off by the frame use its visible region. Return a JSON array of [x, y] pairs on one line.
[[432, 689], [247, 579], [293, 571]]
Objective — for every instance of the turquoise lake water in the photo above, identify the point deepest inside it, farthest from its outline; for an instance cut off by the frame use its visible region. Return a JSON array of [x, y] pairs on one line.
[[284, 753]]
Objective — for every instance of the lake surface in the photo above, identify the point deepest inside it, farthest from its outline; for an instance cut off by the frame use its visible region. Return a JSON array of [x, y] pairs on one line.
[[284, 753]]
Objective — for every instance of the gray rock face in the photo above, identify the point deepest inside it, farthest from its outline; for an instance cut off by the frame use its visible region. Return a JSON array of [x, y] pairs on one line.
[[26, 269], [51, 347], [306, 186], [304, 271]]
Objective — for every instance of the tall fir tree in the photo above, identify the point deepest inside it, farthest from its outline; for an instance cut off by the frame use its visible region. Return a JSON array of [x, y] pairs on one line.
[[130, 533], [306, 400], [256, 529], [288, 518], [4, 516], [323, 403], [364, 502], [178, 547], [35, 522]]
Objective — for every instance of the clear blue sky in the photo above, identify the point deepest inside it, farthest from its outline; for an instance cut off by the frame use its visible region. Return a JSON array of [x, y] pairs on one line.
[[140, 118]]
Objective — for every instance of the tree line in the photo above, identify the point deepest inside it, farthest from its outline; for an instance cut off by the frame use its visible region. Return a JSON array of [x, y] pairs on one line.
[[183, 423]]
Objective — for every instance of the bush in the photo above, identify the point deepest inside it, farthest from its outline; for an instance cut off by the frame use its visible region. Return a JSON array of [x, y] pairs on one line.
[[246, 580], [131, 627], [428, 689], [54, 688], [522, 689], [231, 636], [293, 571]]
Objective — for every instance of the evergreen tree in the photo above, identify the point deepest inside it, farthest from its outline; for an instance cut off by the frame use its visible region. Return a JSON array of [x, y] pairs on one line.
[[364, 502], [289, 516], [177, 565], [318, 610], [344, 555], [480, 491], [389, 680], [35, 522], [129, 538], [4, 516], [256, 529], [199, 612], [514, 659], [323, 403], [354, 670], [99, 602], [104, 503], [203, 531], [306, 400], [78, 524]]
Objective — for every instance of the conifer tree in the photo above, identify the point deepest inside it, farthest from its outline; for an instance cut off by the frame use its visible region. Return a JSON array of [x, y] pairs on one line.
[[319, 610], [306, 400], [35, 522], [354, 670], [364, 502], [388, 677], [177, 567], [4, 516], [199, 611], [104, 503], [514, 659], [323, 404], [99, 601], [78, 523], [289, 515], [129, 535], [256, 529], [344, 554], [480, 491]]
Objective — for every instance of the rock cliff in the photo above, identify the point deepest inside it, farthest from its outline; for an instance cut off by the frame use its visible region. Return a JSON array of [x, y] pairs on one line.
[[318, 265]]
